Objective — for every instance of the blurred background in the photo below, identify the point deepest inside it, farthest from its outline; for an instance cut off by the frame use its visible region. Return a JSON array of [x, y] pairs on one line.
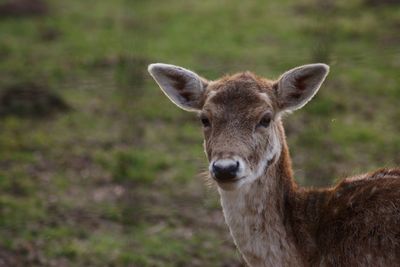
[[98, 168]]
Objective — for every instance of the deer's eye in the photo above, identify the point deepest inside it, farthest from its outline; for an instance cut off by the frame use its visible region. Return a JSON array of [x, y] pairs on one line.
[[205, 121], [265, 121]]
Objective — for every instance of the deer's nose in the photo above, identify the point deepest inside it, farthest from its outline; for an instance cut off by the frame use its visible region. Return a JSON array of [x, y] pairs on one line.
[[225, 170]]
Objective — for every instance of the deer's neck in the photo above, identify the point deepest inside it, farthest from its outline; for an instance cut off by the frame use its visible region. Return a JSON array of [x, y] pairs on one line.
[[256, 217]]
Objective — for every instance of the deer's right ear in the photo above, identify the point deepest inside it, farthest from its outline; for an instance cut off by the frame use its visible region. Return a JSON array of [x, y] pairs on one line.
[[183, 87]]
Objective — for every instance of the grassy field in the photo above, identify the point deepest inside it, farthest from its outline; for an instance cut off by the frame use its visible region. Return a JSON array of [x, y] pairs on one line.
[[114, 180]]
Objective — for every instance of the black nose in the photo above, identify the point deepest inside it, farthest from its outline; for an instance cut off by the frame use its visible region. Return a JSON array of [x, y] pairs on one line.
[[225, 170]]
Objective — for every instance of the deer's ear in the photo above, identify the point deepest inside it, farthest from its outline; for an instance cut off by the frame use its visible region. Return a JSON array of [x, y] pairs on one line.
[[183, 87], [297, 86]]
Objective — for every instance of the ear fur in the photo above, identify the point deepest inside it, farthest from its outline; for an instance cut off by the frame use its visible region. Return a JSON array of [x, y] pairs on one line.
[[298, 86], [183, 87]]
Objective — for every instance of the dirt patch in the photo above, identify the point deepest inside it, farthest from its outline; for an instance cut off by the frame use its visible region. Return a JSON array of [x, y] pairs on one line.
[[9, 258], [375, 3], [23, 8], [30, 100], [49, 34]]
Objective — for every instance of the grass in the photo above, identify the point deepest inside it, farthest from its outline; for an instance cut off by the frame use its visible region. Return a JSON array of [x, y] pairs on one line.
[[113, 182]]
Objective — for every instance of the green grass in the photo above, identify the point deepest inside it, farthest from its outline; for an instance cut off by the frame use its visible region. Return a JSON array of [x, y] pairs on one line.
[[114, 182]]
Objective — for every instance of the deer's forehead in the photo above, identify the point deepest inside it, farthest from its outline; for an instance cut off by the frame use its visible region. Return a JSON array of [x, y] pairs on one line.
[[235, 98]]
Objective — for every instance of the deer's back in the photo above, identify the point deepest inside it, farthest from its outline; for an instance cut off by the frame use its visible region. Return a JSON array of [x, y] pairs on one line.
[[359, 222]]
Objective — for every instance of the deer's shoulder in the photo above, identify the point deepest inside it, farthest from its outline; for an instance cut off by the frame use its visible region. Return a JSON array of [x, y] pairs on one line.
[[378, 185], [365, 207], [359, 219], [371, 193]]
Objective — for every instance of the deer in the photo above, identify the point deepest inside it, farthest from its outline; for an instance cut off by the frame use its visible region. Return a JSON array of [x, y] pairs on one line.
[[273, 220]]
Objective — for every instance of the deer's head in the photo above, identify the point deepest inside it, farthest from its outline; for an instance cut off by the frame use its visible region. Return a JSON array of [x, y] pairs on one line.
[[241, 115]]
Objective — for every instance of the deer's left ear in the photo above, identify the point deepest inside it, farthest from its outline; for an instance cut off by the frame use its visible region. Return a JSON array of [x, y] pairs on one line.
[[183, 87], [297, 86]]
